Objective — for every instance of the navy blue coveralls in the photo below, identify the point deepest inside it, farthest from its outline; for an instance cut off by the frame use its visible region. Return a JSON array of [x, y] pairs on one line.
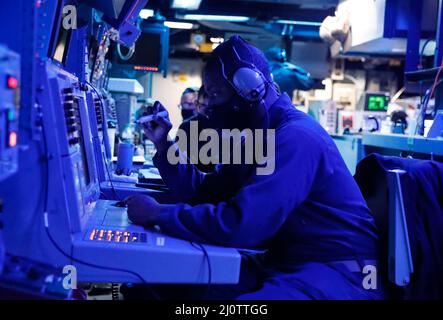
[[308, 215]]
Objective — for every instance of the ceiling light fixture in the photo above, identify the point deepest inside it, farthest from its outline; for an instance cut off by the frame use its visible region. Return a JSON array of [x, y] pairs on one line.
[[300, 23], [146, 13], [186, 4], [179, 25], [210, 17]]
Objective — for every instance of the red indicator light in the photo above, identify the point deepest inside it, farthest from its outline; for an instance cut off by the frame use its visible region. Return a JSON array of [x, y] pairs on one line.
[[142, 68], [12, 82], [12, 139]]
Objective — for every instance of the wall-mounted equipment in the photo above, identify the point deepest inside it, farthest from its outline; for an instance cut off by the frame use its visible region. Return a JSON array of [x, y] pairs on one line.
[[345, 94], [9, 106], [125, 92], [380, 27], [122, 15]]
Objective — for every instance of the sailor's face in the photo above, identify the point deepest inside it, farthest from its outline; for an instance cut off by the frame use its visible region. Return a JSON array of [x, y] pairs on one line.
[[218, 90], [202, 104]]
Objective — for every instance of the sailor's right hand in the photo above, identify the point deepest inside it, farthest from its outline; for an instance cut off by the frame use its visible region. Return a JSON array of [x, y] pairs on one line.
[[157, 130]]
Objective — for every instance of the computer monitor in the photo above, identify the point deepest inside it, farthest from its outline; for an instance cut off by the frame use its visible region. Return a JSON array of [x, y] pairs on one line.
[[86, 150], [61, 48], [147, 52], [60, 39], [377, 101], [81, 139], [84, 155], [151, 50]]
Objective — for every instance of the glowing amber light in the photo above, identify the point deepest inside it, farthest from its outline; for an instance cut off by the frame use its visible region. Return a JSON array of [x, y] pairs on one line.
[[12, 139]]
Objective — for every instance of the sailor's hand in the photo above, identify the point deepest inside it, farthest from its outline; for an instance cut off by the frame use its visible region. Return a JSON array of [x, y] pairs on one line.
[[142, 209], [158, 128]]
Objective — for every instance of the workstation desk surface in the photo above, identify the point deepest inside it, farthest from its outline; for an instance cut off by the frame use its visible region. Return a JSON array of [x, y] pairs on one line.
[[353, 148], [416, 144]]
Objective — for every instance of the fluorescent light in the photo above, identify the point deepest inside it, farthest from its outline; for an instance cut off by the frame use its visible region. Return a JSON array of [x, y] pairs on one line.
[[186, 4], [209, 17], [179, 25], [146, 13], [217, 39], [300, 23]]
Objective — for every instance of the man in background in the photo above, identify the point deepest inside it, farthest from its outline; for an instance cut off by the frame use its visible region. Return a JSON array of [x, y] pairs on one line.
[[201, 119], [288, 76], [188, 103]]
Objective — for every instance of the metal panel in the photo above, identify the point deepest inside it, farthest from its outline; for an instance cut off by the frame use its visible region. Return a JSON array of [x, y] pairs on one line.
[[414, 31], [439, 37]]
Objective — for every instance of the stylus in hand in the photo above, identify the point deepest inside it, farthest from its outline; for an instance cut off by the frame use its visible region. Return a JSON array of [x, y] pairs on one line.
[[152, 117]]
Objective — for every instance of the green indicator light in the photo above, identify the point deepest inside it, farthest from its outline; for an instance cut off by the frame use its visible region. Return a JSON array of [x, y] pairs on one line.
[[11, 115]]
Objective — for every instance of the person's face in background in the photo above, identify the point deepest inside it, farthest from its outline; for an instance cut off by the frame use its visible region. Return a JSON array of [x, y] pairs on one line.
[[188, 104]]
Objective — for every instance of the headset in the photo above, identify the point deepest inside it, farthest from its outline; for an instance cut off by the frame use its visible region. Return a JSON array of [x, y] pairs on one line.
[[276, 54], [248, 82], [282, 57]]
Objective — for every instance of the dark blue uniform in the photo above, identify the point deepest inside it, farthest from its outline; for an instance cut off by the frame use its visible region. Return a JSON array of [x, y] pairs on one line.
[[309, 215]]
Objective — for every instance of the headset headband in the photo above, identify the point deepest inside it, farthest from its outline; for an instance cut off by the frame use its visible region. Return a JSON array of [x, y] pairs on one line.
[[244, 77]]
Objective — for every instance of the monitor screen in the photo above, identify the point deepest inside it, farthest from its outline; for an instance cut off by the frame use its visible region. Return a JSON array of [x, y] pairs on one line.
[[148, 53], [377, 101], [311, 56], [61, 45], [85, 161], [83, 151]]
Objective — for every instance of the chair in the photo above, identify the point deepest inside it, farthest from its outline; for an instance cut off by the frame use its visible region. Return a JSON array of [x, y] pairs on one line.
[[405, 197], [383, 193]]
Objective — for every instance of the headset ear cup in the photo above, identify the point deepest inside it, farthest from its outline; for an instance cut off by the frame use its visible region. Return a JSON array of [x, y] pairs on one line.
[[249, 84]]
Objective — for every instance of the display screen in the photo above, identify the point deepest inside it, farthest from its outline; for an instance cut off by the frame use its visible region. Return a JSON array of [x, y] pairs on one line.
[[83, 149], [85, 161], [148, 53], [62, 44], [377, 102]]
